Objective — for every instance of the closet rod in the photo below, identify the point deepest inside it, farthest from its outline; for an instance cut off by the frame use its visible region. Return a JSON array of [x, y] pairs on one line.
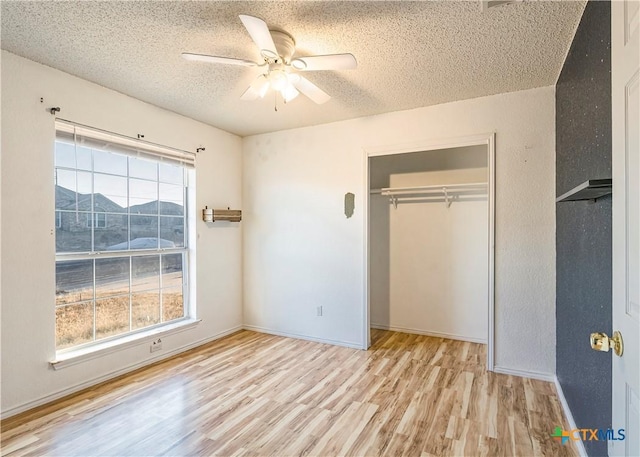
[[428, 189]]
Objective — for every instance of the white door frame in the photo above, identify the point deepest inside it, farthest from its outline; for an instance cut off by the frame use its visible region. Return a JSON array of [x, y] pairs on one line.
[[625, 106], [487, 139]]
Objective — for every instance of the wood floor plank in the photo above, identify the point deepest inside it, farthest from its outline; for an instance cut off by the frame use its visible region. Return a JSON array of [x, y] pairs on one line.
[[252, 394]]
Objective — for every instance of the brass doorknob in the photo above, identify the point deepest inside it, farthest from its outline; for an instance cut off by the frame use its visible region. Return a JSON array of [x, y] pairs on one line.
[[601, 342]]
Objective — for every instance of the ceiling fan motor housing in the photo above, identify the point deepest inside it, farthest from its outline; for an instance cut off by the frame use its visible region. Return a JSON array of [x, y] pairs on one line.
[[285, 44]]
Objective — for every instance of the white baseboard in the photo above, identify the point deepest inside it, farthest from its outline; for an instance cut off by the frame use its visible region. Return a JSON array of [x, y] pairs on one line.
[[92, 382], [567, 413], [525, 374], [297, 336], [427, 333]]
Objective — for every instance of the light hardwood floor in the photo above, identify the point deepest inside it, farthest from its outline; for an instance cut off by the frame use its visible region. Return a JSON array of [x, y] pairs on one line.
[[254, 394]]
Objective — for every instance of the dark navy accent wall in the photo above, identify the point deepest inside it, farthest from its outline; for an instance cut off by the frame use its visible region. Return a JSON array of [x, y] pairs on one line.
[[583, 228]]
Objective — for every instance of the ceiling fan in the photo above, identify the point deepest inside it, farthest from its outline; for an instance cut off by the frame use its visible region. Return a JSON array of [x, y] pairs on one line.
[[280, 67]]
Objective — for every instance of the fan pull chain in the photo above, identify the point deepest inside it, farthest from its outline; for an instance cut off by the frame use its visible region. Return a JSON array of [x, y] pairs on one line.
[[275, 100]]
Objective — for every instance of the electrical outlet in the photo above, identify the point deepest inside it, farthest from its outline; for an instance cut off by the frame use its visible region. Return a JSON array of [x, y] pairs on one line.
[[319, 310], [156, 345]]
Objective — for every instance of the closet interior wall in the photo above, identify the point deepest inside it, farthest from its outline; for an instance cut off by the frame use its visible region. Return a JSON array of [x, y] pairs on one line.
[[429, 268]]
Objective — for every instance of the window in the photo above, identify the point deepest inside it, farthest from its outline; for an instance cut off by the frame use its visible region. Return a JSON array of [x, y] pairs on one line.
[[99, 220], [122, 244]]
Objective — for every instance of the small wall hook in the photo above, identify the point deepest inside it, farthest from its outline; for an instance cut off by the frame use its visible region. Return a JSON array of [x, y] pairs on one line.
[[199, 150], [140, 136], [54, 110]]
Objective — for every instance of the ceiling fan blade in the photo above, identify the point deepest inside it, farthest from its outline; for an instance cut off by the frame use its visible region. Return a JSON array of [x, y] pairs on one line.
[[250, 94], [217, 59], [311, 90], [327, 62], [260, 34]]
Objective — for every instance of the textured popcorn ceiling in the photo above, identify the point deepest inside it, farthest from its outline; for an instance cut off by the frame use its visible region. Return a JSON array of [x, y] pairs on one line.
[[410, 54]]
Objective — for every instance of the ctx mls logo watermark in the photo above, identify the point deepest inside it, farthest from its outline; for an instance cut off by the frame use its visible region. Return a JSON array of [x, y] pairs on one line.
[[588, 434]]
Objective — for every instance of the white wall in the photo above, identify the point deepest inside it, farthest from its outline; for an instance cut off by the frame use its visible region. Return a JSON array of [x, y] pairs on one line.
[[28, 251], [300, 251], [431, 269]]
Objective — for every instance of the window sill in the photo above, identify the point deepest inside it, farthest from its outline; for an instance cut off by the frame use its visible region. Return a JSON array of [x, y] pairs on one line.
[[67, 359]]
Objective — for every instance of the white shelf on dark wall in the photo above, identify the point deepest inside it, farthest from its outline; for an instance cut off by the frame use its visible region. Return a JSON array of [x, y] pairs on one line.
[[588, 190]]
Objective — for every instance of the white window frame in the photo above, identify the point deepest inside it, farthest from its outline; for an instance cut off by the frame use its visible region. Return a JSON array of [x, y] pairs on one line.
[[131, 147]]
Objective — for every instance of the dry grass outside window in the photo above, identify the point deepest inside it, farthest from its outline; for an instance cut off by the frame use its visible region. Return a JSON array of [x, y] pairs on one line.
[[74, 323]]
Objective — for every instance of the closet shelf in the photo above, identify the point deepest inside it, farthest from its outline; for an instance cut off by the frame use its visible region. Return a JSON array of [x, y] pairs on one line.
[[588, 190]]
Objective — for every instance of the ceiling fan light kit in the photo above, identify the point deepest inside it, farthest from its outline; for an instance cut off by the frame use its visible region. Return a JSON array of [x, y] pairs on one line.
[[277, 48], [277, 77]]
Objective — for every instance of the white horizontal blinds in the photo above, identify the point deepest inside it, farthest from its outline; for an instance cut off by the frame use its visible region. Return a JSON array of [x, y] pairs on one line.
[[107, 141]]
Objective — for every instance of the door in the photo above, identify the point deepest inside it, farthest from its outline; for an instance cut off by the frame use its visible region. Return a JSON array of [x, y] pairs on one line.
[[625, 78]]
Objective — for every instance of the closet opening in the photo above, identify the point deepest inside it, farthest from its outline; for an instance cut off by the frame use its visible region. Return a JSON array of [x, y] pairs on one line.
[[430, 248]]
